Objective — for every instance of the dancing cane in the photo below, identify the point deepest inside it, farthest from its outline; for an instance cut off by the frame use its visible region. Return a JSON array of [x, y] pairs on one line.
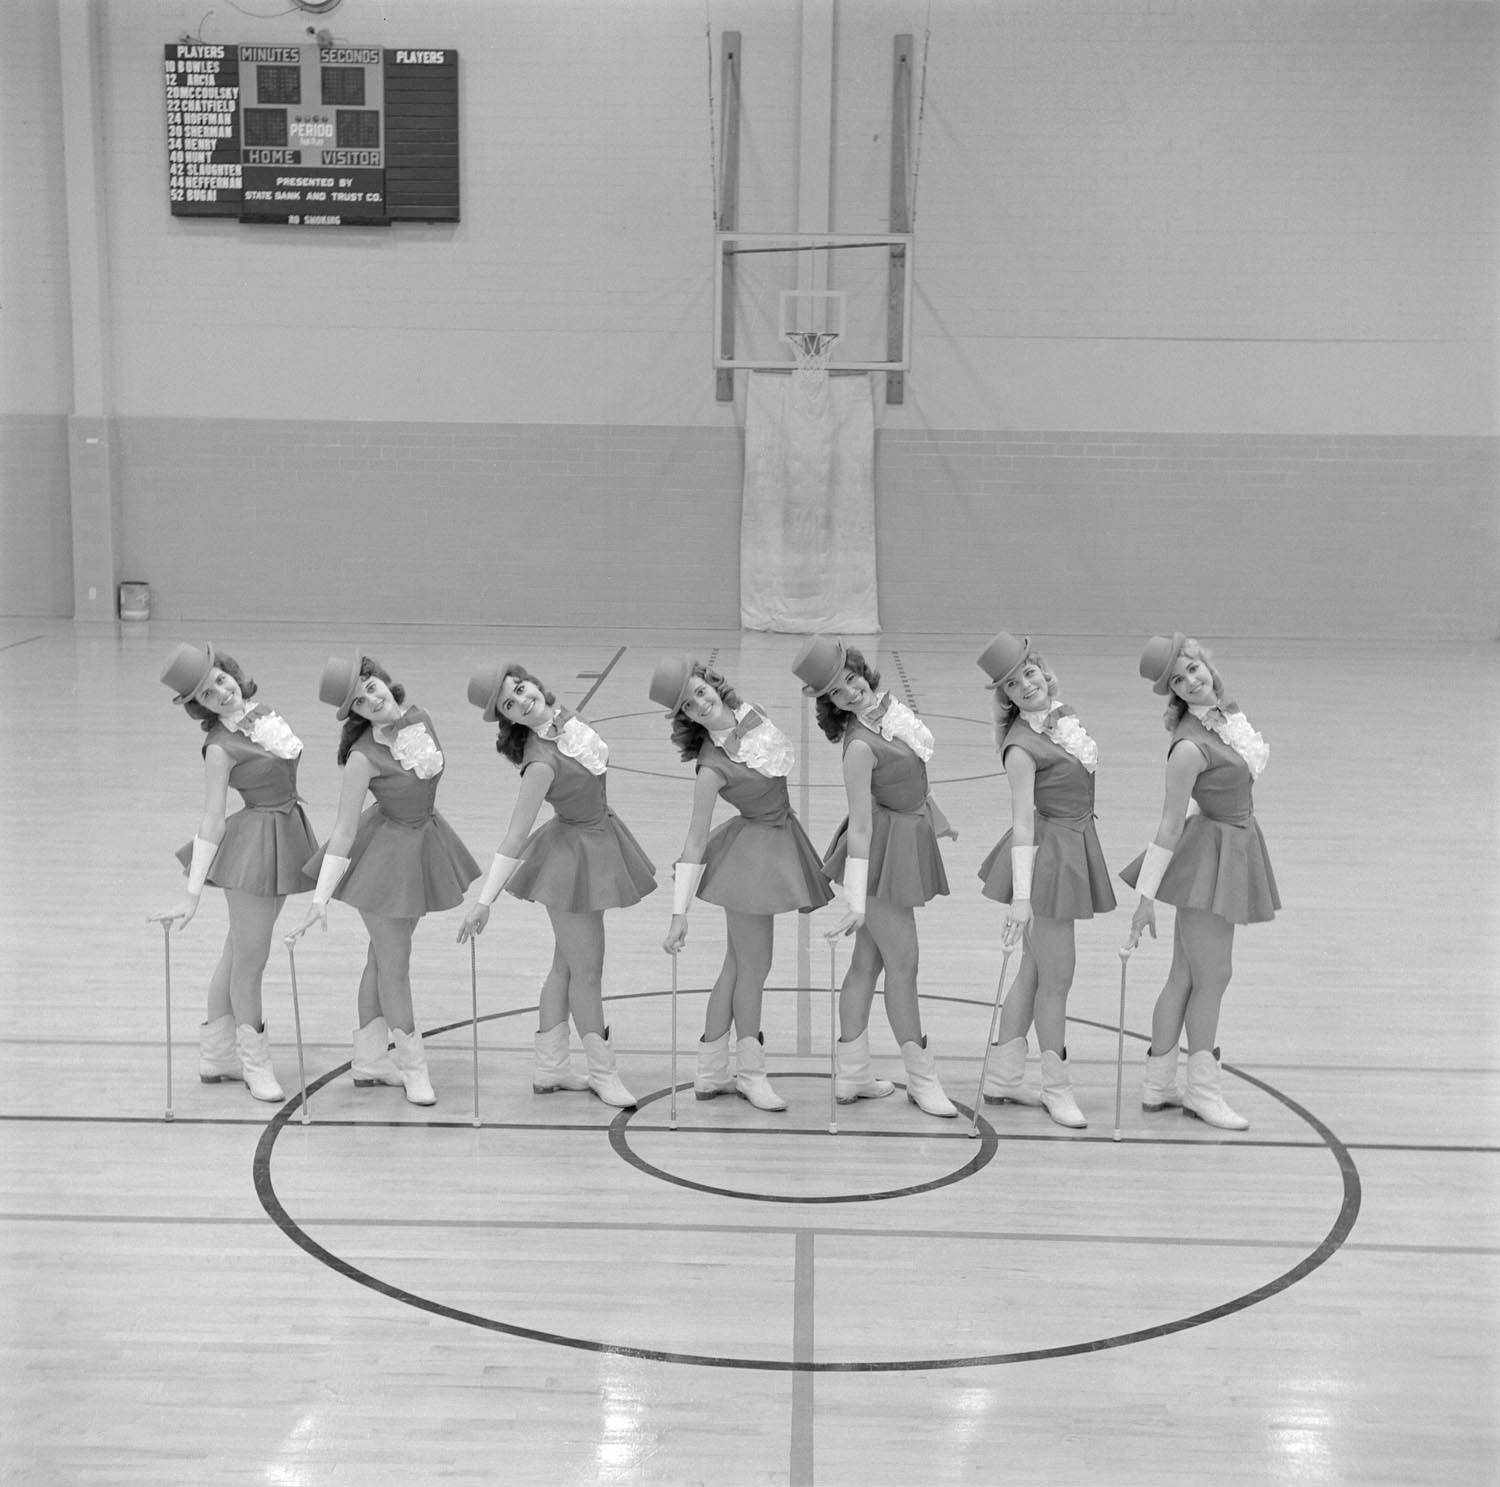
[[291, 960], [995, 1022], [833, 1037], [474, 1000], [672, 1103], [989, 1042], [1120, 1036], [166, 945]]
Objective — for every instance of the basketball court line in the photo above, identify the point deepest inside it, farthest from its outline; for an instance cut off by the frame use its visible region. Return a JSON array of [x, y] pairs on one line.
[[600, 678], [829, 1231], [852, 1132]]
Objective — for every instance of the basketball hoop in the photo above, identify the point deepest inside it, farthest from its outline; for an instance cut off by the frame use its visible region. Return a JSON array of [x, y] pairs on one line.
[[812, 349]]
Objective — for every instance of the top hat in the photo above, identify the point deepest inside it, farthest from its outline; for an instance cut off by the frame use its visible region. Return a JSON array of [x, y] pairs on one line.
[[339, 683], [671, 682], [1157, 658], [1003, 657], [484, 688], [820, 663], [188, 670]]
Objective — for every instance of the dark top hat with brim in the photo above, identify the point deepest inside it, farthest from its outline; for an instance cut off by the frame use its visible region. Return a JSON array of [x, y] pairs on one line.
[[820, 663], [339, 683], [1003, 657], [484, 688], [671, 682], [188, 670], [1157, 658]]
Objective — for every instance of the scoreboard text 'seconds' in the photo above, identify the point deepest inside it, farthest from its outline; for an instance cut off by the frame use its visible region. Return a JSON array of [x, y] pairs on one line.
[[312, 135]]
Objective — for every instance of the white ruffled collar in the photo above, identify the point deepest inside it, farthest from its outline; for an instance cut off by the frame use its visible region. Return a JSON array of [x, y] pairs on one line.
[[1063, 726], [577, 740], [413, 747], [895, 720], [757, 742], [262, 726], [1225, 720]]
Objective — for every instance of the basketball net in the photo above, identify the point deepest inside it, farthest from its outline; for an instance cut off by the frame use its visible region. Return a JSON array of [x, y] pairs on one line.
[[812, 348]]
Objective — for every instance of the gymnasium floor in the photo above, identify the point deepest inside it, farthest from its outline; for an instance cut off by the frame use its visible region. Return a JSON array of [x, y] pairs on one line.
[[565, 1294]]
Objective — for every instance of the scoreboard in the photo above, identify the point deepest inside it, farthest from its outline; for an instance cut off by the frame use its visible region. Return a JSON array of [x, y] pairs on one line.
[[312, 135]]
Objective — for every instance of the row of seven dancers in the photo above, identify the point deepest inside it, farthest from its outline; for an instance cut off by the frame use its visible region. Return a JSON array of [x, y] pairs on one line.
[[398, 860]]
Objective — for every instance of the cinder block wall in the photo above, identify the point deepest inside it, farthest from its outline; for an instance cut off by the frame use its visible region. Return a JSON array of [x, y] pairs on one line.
[[1204, 326], [422, 523], [36, 565]]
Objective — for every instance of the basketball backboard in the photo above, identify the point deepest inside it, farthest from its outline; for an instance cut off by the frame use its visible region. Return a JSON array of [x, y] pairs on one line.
[[855, 285]]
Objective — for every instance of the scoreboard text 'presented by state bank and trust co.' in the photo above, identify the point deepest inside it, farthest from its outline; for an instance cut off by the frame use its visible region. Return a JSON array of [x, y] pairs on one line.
[[312, 135]]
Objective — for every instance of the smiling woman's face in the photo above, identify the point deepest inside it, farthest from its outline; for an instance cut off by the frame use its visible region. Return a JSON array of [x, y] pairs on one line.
[[1027, 688], [374, 701], [219, 693], [851, 693], [522, 702]]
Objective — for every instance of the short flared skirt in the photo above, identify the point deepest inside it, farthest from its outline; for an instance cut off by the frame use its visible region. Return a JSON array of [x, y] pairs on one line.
[[753, 867], [580, 869], [262, 853], [1069, 879], [1219, 867], [404, 872], [906, 868]]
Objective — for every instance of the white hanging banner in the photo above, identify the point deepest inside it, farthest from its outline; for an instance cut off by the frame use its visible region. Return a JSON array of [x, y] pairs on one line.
[[807, 526]]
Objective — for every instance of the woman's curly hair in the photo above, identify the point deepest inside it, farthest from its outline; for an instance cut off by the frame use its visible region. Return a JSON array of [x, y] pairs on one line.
[[1006, 712], [206, 719], [510, 738], [689, 736], [1176, 707], [832, 719], [354, 725]]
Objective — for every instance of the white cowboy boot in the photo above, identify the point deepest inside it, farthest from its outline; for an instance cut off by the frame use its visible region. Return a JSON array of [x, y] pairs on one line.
[[1159, 1091], [853, 1078], [410, 1059], [750, 1077], [603, 1079], [218, 1058], [372, 1062], [1057, 1091], [553, 1071], [713, 1078], [1003, 1082], [922, 1087], [1203, 1097], [255, 1059]]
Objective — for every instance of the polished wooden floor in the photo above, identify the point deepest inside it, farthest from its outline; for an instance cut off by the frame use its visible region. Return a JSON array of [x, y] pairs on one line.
[[563, 1295]]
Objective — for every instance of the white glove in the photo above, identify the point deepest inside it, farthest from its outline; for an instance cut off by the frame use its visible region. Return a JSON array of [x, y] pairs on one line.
[[686, 877], [501, 867], [203, 859], [856, 881], [330, 875], [1152, 868], [1021, 860]]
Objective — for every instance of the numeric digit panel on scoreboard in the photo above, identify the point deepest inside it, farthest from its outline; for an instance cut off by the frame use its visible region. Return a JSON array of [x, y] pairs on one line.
[[312, 135]]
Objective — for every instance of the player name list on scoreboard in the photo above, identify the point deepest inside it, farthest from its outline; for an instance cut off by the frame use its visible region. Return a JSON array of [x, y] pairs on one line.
[[203, 130], [311, 135]]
